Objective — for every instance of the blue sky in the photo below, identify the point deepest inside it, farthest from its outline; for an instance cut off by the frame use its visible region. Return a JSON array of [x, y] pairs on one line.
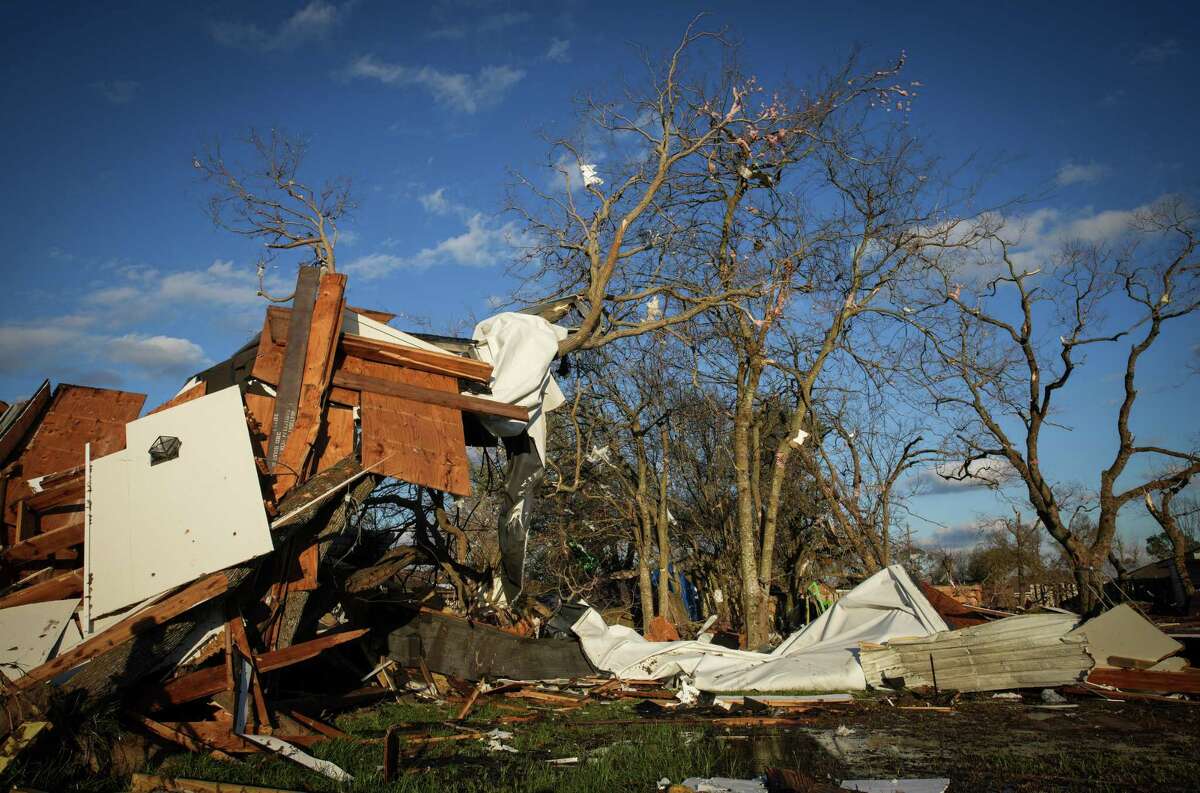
[[113, 275]]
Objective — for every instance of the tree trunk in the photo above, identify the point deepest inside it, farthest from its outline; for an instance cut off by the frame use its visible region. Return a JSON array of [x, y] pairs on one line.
[[662, 519], [747, 523], [645, 585]]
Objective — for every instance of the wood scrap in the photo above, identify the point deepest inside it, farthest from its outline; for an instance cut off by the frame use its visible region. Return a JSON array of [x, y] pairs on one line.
[[148, 783]]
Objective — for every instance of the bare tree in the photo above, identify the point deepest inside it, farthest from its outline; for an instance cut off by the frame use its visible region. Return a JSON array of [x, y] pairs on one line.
[[1005, 350], [265, 199]]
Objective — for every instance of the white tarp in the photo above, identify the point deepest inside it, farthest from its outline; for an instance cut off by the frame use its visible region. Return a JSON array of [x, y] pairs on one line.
[[150, 528], [521, 348], [823, 656]]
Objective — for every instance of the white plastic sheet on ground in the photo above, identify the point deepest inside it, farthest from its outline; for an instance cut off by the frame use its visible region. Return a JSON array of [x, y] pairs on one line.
[[823, 656], [520, 348]]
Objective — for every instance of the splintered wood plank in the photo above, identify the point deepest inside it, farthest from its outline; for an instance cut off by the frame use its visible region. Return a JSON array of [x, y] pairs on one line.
[[30, 413], [433, 362], [323, 331], [145, 620], [262, 410], [337, 436], [268, 360], [437, 362], [42, 545], [412, 441], [451, 399], [291, 377], [60, 587], [211, 680]]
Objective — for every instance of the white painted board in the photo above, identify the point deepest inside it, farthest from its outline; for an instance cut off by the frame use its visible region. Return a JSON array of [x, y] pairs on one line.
[[151, 528], [29, 633]]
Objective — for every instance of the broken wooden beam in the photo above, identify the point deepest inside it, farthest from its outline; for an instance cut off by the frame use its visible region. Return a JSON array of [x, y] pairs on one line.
[[413, 358], [141, 622], [147, 783], [40, 546], [1145, 680], [60, 587], [211, 680], [291, 463], [471, 404]]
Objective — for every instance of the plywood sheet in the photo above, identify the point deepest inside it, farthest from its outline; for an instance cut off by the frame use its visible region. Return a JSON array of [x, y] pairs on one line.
[[412, 441], [337, 436], [28, 634], [151, 528], [77, 415]]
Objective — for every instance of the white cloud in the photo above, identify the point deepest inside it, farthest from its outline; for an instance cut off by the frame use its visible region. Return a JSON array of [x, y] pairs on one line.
[[463, 92], [488, 24], [559, 51], [1161, 52], [161, 355], [310, 23], [1038, 237], [118, 92], [220, 284], [944, 478], [1074, 173], [25, 347], [482, 244], [436, 202], [952, 538]]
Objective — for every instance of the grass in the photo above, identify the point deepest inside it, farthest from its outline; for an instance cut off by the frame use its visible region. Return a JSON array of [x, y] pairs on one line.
[[982, 746], [611, 757]]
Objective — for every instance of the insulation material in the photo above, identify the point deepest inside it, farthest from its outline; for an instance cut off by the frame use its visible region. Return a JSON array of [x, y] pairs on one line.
[[1024, 651], [412, 441], [521, 348], [822, 657], [29, 634], [151, 528], [1123, 633]]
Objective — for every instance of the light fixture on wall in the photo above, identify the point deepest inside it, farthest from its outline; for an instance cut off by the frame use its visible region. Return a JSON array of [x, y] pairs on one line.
[[164, 448]]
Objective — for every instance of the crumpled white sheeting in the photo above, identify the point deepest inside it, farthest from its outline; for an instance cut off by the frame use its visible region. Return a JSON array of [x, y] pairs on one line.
[[520, 348], [821, 657]]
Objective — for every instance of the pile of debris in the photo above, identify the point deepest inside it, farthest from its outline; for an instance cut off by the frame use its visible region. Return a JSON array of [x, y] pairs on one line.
[[186, 554], [189, 563]]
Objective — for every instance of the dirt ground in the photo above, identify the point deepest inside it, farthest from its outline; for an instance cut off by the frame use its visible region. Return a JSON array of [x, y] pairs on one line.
[[980, 744]]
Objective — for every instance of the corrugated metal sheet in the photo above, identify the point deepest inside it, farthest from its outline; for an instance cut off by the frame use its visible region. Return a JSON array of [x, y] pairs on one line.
[[1024, 651]]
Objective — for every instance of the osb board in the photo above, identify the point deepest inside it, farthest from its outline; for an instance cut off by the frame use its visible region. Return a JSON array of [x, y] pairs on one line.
[[268, 362], [195, 392], [337, 436], [416, 442], [77, 415]]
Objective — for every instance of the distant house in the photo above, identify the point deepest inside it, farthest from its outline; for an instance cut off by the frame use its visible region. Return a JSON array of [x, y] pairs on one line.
[[1157, 581]]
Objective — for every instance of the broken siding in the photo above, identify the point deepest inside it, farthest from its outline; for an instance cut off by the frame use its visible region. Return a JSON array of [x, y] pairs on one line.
[[1025, 651]]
